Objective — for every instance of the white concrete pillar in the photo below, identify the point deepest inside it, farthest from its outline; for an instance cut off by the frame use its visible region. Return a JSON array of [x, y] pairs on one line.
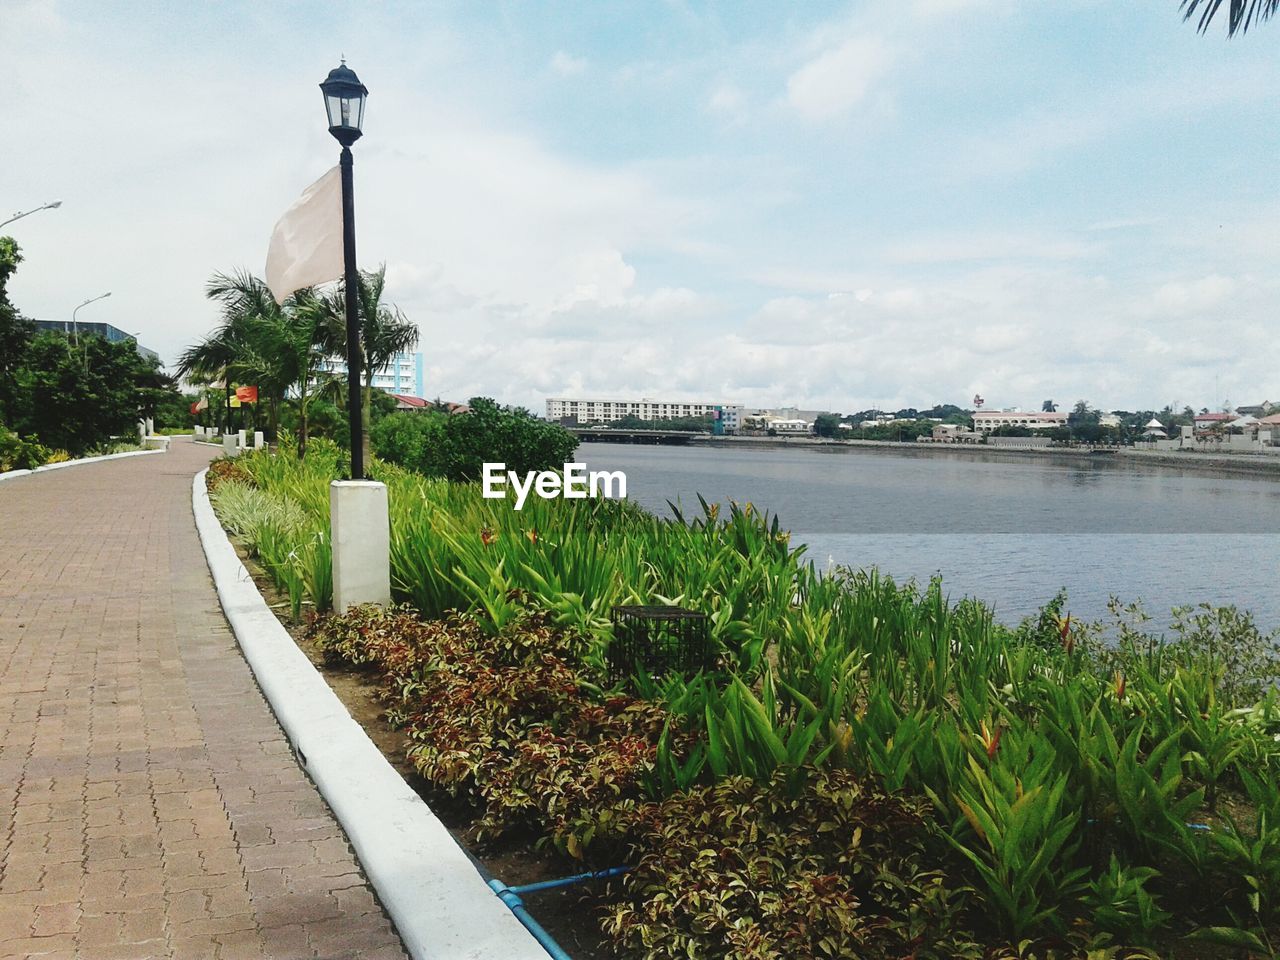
[[142, 433], [240, 438], [229, 445], [257, 439], [151, 426], [197, 432], [361, 543]]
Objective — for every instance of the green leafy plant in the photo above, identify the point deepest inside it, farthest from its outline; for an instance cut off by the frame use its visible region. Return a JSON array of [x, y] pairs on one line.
[[22, 453], [1049, 754], [1118, 903], [842, 871], [1023, 824]]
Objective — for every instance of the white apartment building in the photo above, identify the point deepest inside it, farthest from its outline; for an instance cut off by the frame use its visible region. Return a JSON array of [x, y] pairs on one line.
[[562, 409], [404, 374], [984, 421]]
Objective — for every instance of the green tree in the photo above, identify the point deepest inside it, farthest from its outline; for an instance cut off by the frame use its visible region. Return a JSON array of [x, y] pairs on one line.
[[16, 330], [278, 347], [1242, 14], [456, 446], [948, 413], [173, 410], [76, 398], [827, 425], [687, 424], [385, 333]]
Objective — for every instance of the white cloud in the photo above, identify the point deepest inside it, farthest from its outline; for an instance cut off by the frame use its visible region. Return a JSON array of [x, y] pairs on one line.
[[698, 256], [728, 101], [566, 65], [955, 246], [929, 9], [839, 78], [1191, 297]]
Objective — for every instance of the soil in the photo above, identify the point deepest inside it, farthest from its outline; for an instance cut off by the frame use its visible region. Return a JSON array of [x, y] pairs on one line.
[[569, 914]]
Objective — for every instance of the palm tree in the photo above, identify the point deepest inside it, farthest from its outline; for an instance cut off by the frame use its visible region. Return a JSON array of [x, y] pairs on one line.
[[1242, 14], [385, 333], [211, 360], [277, 346]]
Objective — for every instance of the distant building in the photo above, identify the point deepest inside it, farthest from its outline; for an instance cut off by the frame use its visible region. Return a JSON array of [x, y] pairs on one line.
[[1263, 409], [419, 405], [1205, 422], [411, 403], [1269, 430], [572, 411], [786, 413], [760, 423], [790, 426], [951, 433], [105, 330], [984, 421], [405, 374], [1110, 420]]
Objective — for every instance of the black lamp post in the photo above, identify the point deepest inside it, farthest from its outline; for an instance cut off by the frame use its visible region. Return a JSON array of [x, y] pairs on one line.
[[344, 102]]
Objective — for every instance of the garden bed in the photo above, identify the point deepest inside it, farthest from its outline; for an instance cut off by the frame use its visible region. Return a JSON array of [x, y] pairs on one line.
[[869, 770], [565, 913]]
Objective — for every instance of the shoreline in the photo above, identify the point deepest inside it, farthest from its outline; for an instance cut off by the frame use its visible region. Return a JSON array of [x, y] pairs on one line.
[[1240, 464]]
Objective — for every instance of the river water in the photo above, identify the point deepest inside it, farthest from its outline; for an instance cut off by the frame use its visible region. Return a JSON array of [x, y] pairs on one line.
[[1010, 530]]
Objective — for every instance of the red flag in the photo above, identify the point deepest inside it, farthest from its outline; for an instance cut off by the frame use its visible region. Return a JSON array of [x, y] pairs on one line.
[[247, 394]]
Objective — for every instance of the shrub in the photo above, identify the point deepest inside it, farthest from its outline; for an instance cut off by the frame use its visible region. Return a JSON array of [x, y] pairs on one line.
[[506, 719], [221, 470], [1042, 750], [456, 446], [746, 870], [245, 510], [21, 453], [1244, 661]]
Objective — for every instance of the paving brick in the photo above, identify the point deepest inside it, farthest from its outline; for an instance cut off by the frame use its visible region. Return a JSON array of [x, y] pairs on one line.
[[56, 918], [149, 804], [32, 947]]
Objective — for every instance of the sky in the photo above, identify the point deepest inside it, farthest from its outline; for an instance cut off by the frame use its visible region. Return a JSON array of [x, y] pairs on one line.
[[827, 205]]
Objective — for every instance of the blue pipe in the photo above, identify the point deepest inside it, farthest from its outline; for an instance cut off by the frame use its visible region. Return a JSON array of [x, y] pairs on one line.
[[569, 881], [511, 897], [516, 905], [1189, 826]]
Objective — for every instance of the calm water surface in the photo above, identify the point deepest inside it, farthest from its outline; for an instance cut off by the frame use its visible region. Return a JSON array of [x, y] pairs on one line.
[[1010, 531]]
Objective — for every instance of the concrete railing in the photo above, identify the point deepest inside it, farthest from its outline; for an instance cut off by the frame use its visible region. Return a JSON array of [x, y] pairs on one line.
[[441, 906]]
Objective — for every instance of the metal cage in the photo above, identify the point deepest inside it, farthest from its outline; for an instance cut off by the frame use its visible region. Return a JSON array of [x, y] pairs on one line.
[[658, 640]]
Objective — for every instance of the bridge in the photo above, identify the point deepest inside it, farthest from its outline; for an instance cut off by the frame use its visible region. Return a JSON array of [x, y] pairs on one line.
[[608, 435]]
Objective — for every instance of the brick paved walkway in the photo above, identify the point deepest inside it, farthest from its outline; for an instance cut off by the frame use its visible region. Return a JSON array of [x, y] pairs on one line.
[[149, 804]]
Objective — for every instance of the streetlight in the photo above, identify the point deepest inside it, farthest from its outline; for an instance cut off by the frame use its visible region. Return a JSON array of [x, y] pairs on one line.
[[75, 328], [344, 102], [52, 205]]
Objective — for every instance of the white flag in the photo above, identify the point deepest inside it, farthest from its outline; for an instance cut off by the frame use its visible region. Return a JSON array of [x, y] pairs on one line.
[[306, 245]]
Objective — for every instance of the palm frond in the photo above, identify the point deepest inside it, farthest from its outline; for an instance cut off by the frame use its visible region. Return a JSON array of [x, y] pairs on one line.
[[1241, 14]]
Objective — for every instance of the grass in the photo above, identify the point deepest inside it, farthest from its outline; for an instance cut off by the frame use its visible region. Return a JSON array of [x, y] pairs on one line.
[[1095, 787]]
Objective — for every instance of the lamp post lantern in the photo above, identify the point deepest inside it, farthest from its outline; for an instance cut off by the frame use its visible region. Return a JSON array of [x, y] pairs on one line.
[[344, 97]]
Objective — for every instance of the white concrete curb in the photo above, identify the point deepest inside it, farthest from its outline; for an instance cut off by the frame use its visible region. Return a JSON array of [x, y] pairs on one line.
[[14, 474], [437, 900]]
